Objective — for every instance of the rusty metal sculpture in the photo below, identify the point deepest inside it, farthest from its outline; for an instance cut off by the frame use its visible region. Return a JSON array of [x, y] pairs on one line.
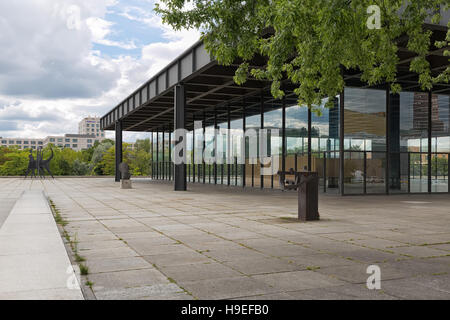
[[40, 165]]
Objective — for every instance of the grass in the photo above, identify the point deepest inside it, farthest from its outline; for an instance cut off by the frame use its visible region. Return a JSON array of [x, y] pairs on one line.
[[58, 218], [312, 268], [73, 242], [84, 270], [79, 258]]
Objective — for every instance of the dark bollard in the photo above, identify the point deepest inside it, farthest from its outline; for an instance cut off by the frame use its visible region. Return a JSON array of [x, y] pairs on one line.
[[308, 196], [307, 185]]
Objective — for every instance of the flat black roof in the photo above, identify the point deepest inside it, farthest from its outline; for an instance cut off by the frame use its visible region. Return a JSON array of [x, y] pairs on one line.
[[210, 86]]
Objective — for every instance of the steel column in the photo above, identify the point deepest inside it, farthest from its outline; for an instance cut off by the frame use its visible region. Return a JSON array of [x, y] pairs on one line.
[[180, 137], [341, 143], [430, 131], [119, 154]]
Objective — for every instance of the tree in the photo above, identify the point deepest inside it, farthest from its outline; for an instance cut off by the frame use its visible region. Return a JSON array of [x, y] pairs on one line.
[[16, 163], [80, 168], [142, 144], [310, 41]]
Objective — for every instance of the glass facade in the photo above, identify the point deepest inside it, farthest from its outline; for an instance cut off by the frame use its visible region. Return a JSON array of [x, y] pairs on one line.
[[390, 143]]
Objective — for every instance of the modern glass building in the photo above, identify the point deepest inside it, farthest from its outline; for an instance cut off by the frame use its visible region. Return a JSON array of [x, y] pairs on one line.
[[370, 142]]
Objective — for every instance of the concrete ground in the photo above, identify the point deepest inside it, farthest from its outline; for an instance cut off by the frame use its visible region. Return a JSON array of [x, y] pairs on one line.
[[33, 260], [221, 243]]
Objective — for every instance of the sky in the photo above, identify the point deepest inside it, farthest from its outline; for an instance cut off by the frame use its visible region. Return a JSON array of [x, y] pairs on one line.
[[62, 60]]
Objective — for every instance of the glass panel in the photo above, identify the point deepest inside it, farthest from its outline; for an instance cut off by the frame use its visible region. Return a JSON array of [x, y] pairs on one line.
[[332, 172], [399, 163], [440, 119], [353, 172], [365, 119], [418, 172], [325, 128], [189, 156], [296, 134], [222, 153], [236, 151], [439, 172], [252, 169], [273, 122], [375, 172]]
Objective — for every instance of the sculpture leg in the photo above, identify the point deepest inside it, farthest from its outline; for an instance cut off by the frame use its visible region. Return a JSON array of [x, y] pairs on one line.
[[49, 172]]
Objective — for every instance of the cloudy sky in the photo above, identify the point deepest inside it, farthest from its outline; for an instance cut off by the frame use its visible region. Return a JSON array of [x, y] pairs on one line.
[[62, 60]]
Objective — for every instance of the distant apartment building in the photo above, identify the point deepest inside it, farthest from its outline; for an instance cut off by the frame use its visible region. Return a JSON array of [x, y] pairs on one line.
[[76, 142], [88, 133], [21, 143], [91, 126]]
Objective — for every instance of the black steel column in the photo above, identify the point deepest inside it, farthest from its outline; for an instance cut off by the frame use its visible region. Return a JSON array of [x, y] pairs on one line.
[[215, 147], [244, 149], [157, 155], [388, 142], [283, 136], [309, 139], [228, 146], [341, 143], [204, 147], [163, 155], [151, 157], [179, 123], [170, 155], [262, 127], [118, 149], [193, 148], [430, 131]]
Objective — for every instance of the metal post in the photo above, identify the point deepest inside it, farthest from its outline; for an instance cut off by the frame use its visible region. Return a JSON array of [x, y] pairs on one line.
[[180, 137], [170, 155], [119, 154], [283, 135], [325, 172], [163, 156], [387, 174], [228, 146], [151, 151], [215, 147], [409, 172], [365, 172], [262, 127], [244, 149], [341, 143], [157, 155], [204, 147], [193, 148], [430, 131], [309, 139]]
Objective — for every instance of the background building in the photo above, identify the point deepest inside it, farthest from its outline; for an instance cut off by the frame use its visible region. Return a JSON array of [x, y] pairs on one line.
[[91, 126], [88, 133], [22, 143]]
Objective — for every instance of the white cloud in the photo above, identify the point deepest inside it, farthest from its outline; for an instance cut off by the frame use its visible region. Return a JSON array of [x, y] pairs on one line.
[[50, 74]]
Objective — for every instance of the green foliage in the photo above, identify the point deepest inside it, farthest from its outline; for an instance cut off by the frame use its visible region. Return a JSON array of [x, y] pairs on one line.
[[13, 162], [98, 160], [310, 41]]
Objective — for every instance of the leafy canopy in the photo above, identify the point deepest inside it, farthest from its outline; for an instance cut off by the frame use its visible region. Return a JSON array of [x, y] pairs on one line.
[[309, 41]]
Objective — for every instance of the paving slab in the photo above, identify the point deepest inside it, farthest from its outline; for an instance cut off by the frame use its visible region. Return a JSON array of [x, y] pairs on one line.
[[33, 259], [222, 243]]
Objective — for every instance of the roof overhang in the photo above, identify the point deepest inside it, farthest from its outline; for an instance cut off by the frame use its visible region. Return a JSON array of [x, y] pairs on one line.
[[210, 86]]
